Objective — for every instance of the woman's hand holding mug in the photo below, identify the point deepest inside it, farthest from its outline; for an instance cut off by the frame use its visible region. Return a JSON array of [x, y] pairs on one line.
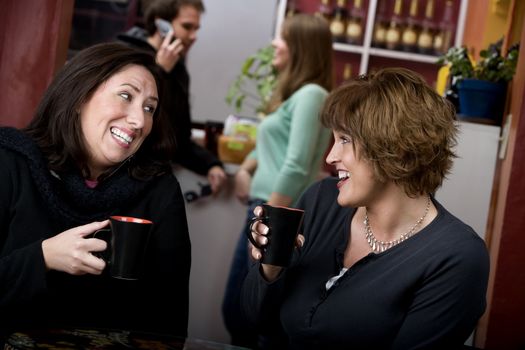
[[71, 252], [273, 234]]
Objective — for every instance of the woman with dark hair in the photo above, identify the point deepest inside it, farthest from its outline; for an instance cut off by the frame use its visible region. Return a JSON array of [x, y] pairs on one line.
[[97, 146], [381, 263]]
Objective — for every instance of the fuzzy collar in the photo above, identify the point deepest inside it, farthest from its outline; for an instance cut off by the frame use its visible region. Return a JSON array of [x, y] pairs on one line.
[[69, 199]]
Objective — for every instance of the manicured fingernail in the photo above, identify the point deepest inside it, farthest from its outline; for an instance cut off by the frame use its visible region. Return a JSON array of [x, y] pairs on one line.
[[264, 240], [266, 230]]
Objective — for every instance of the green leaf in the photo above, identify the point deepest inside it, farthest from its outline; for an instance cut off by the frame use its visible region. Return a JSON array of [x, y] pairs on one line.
[[256, 72]]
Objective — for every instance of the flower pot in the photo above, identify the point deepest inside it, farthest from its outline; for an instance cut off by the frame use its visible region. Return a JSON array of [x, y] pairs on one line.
[[482, 99]]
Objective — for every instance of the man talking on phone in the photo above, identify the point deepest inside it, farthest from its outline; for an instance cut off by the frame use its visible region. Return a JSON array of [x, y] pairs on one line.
[[170, 29]]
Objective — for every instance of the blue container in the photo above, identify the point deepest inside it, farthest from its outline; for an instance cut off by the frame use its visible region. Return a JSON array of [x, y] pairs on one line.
[[482, 99]]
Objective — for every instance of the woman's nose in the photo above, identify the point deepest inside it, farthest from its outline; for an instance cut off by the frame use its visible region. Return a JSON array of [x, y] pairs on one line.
[[332, 157], [135, 118]]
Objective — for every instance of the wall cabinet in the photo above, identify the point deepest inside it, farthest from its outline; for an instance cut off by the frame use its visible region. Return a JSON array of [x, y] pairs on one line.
[[367, 58]]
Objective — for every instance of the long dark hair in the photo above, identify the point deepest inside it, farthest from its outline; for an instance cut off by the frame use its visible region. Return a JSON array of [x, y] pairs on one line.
[[309, 42], [56, 125]]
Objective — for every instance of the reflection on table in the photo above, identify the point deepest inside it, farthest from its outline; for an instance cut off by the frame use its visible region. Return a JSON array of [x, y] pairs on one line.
[[105, 339]]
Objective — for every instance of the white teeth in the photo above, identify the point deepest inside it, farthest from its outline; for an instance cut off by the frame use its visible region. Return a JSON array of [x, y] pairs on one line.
[[122, 135], [343, 174]]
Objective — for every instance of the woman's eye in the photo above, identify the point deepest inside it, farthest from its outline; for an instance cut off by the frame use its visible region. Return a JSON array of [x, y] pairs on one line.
[[150, 109], [125, 96], [345, 139]]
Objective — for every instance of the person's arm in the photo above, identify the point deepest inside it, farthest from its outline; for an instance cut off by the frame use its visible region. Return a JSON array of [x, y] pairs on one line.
[[194, 157], [243, 177], [26, 255], [306, 136], [264, 286], [169, 53], [22, 275], [216, 178], [188, 153], [71, 252], [166, 283], [449, 302], [278, 199]]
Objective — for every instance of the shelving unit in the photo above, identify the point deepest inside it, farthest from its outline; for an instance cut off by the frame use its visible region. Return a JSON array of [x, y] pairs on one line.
[[424, 64]]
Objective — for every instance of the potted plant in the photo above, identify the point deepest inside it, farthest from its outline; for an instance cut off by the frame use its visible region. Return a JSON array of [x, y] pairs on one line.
[[254, 84], [252, 88], [482, 86]]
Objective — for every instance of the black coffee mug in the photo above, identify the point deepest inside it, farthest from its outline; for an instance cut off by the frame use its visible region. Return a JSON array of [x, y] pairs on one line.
[[283, 224], [127, 239]]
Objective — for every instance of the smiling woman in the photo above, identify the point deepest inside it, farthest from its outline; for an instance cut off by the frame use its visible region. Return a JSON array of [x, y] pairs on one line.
[[376, 247], [118, 117], [97, 146]]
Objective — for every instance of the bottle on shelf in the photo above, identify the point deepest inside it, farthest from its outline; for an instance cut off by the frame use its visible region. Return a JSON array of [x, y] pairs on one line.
[[426, 36], [324, 10], [393, 33], [443, 38], [380, 25], [411, 30], [338, 23], [354, 27], [347, 72]]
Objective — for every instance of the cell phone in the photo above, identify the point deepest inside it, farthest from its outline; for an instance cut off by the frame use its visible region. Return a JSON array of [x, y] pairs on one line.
[[163, 27]]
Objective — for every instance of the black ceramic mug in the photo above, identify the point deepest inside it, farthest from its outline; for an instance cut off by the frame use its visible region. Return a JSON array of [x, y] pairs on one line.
[[283, 224], [127, 239]]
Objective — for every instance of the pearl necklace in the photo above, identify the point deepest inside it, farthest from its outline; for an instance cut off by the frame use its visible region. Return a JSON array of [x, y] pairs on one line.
[[380, 246]]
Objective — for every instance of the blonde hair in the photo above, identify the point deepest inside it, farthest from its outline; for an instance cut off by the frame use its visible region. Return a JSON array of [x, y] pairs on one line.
[[403, 127], [309, 44]]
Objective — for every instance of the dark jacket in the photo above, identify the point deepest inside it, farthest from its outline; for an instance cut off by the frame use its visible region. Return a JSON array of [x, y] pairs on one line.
[[175, 102], [36, 204], [427, 292]]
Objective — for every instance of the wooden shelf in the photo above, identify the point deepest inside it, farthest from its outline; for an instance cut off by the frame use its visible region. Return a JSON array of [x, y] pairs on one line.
[[424, 64], [408, 56]]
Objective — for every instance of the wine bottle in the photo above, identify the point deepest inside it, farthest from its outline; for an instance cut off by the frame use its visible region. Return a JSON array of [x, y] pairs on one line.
[[354, 28], [411, 30], [393, 33], [347, 72], [380, 25], [443, 37], [338, 23], [426, 36], [324, 10]]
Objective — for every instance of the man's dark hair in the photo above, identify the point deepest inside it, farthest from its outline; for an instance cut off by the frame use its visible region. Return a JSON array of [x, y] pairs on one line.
[[165, 9]]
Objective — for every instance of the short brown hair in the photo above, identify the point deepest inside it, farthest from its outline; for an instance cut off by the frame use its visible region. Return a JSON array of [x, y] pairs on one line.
[[404, 128], [166, 9], [56, 125]]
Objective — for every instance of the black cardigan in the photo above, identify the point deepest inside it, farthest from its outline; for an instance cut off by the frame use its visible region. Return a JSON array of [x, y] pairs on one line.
[[427, 292], [35, 205]]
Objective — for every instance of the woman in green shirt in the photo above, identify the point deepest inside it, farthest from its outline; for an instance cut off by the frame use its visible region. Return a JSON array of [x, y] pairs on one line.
[[291, 143]]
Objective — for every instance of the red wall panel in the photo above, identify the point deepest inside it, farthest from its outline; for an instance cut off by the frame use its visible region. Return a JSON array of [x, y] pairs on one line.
[[34, 42]]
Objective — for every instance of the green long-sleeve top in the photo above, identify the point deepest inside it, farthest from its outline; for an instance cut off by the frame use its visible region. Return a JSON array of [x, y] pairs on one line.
[[291, 143]]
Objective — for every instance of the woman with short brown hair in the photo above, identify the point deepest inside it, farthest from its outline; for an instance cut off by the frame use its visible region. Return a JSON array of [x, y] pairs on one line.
[[381, 263]]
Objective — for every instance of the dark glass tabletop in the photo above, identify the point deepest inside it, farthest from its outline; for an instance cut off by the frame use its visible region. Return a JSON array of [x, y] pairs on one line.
[[72, 339]]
